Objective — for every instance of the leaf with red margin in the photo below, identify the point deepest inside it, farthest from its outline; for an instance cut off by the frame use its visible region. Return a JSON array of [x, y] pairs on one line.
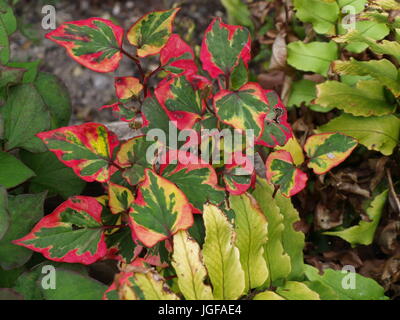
[[127, 87], [152, 31], [160, 210], [327, 150], [132, 156], [180, 101], [244, 109], [72, 233], [282, 172], [124, 113], [95, 43], [197, 179], [177, 57], [239, 174], [277, 131], [120, 198], [122, 247], [86, 148], [223, 46]]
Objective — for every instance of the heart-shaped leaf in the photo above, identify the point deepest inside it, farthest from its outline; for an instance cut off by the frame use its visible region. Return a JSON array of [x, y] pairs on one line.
[[160, 210], [327, 150], [282, 172], [86, 148], [72, 233], [239, 174], [95, 43], [223, 46], [152, 31]]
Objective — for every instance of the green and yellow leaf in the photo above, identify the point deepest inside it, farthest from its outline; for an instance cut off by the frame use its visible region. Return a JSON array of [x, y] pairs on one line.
[[120, 198]]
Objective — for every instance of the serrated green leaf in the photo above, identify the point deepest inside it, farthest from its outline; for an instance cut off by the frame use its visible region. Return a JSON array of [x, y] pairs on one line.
[[313, 56], [251, 229], [376, 133], [13, 171], [366, 99], [221, 257], [302, 91], [322, 15], [189, 268], [24, 211], [364, 232]]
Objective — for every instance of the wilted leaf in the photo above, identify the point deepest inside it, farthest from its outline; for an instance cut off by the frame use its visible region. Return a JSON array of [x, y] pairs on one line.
[[251, 236], [364, 232], [72, 233], [327, 150], [189, 267], [313, 56], [151, 32], [86, 148], [95, 43], [282, 172], [376, 133], [221, 257], [160, 210], [223, 46]]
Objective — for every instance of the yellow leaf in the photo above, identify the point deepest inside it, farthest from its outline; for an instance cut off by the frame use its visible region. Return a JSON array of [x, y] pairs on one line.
[[251, 235], [221, 257], [293, 147], [268, 295], [189, 268], [153, 286], [293, 290]]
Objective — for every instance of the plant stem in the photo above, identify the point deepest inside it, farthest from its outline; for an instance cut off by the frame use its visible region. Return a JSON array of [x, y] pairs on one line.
[[137, 62]]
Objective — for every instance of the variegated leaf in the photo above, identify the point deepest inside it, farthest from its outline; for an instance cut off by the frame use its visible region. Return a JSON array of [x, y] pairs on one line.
[[223, 46], [327, 150], [72, 233], [86, 148], [239, 174], [198, 180], [127, 87], [125, 113], [160, 210], [95, 43], [180, 101], [120, 198], [282, 172], [177, 57], [151, 32]]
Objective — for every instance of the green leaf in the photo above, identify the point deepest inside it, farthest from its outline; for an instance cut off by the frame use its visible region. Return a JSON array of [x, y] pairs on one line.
[[302, 91], [358, 5], [10, 75], [221, 257], [51, 175], [25, 115], [277, 259], [239, 77], [251, 236], [24, 210], [382, 70], [376, 133], [322, 15], [4, 43], [293, 290], [30, 67], [364, 232], [7, 17], [4, 215], [366, 99], [71, 285], [152, 31], [189, 268], [13, 171], [313, 56], [55, 96], [365, 288], [327, 150], [267, 295], [369, 29], [238, 13]]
